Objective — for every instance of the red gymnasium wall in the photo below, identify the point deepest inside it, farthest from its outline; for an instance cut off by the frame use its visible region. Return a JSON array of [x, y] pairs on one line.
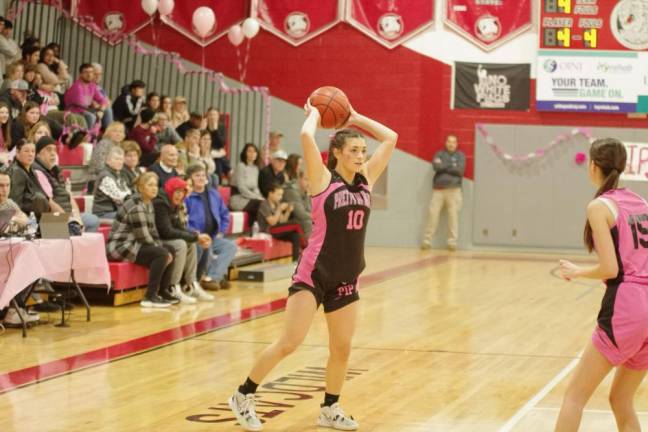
[[405, 89]]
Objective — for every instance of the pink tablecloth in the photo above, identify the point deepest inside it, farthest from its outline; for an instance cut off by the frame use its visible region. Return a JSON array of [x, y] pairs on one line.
[[23, 262]]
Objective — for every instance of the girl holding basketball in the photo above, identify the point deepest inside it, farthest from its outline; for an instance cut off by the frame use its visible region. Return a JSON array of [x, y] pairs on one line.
[[617, 228], [328, 270]]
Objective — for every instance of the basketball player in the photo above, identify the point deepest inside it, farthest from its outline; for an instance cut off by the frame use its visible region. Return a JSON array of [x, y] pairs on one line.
[[328, 270], [617, 228]]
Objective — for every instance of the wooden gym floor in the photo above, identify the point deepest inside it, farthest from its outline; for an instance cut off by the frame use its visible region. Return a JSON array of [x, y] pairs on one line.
[[446, 342]]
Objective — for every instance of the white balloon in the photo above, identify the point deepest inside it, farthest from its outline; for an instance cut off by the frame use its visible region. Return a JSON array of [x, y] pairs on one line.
[[250, 27], [235, 35], [149, 6], [166, 7], [203, 21]]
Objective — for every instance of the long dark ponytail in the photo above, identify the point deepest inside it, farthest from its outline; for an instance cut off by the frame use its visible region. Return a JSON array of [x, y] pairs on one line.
[[337, 142], [609, 154]]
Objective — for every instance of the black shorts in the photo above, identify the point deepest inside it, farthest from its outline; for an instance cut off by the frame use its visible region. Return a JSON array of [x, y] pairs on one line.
[[333, 296]]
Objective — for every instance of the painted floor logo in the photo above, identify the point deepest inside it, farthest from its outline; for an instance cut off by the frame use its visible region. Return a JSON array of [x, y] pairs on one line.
[[278, 396]]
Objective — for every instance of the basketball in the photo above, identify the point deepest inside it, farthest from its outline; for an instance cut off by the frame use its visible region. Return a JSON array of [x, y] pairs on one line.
[[333, 106]]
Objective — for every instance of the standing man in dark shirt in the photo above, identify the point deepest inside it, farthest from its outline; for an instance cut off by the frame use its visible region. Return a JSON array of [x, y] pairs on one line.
[[273, 173], [449, 166]]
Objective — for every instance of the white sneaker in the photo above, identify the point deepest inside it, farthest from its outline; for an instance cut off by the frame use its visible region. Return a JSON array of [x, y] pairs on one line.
[[176, 290], [13, 316], [199, 293], [244, 408], [334, 417]]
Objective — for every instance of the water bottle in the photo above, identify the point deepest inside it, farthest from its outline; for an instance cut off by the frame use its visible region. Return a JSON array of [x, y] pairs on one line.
[[32, 224], [255, 230]]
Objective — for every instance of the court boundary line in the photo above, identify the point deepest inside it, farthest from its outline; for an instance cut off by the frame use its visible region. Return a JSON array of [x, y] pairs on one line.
[[537, 398], [21, 378]]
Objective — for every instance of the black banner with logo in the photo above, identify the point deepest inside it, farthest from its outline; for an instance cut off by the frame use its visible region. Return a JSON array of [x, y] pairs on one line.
[[492, 86]]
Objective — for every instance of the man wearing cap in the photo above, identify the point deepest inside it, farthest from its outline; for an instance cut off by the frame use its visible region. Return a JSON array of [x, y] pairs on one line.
[[273, 173], [15, 96], [53, 184], [274, 144], [171, 224], [144, 135], [84, 96], [166, 167], [128, 105]]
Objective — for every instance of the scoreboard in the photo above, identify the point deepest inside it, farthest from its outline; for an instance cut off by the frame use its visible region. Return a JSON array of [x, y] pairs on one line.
[[594, 24]]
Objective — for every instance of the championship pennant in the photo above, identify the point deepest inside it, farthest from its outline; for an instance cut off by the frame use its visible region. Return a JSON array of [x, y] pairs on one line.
[[227, 14], [110, 19], [391, 22], [488, 23], [298, 21]]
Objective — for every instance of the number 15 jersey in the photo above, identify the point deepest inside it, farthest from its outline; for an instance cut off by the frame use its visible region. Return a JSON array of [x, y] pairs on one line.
[[335, 251], [630, 234]]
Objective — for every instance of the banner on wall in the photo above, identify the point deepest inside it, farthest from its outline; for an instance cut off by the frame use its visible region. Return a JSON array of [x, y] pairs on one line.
[[488, 23], [298, 21], [637, 164], [594, 24], [601, 81], [227, 14], [492, 86], [391, 22], [113, 20]]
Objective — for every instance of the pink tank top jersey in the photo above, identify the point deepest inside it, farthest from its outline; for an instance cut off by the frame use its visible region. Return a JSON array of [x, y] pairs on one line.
[[630, 235]]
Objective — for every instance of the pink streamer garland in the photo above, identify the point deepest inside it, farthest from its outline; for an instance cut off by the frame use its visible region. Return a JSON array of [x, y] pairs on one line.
[[539, 153], [173, 58]]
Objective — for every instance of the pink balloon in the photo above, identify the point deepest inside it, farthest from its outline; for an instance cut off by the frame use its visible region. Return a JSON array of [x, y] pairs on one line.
[[235, 35], [165, 7], [204, 21]]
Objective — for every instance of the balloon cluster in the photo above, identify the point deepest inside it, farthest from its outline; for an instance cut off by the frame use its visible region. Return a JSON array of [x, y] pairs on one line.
[[204, 21]]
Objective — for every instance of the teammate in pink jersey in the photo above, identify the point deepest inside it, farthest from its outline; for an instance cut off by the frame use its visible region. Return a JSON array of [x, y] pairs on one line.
[[617, 228], [329, 267]]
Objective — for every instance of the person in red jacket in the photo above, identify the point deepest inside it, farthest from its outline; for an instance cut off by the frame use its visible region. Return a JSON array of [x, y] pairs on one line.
[[144, 135]]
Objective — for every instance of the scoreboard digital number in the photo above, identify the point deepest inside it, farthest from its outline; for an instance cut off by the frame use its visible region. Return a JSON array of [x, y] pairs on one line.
[[554, 37], [571, 24], [558, 6]]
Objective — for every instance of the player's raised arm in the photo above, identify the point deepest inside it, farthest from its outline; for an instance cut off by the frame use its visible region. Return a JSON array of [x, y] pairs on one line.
[[318, 175]]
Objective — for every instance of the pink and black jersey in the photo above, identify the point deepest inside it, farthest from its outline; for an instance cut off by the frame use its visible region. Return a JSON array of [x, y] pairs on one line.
[[335, 251], [622, 333]]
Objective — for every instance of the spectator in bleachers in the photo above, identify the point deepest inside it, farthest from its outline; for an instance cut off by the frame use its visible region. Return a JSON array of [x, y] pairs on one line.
[[5, 133], [54, 71], [15, 96], [129, 105], [132, 154], [206, 158], [31, 55], [218, 132], [166, 167], [209, 215], [49, 100], [28, 118], [296, 193], [179, 111], [38, 131], [144, 135], [196, 121], [153, 102], [26, 190], [171, 223], [134, 238], [273, 218], [112, 187], [113, 136], [246, 180], [15, 71], [188, 150], [166, 103], [273, 173], [9, 49], [274, 144], [166, 134], [53, 184], [108, 112], [84, 96]]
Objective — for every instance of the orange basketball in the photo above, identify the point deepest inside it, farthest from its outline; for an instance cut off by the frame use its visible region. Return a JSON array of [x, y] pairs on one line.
[[333, 106]]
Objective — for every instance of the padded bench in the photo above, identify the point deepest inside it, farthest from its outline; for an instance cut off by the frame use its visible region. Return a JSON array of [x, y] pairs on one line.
[[271, 248]]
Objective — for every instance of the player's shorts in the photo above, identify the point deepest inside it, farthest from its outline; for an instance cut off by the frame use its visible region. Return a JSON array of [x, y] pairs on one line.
[[622, 332], [333, 296]]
